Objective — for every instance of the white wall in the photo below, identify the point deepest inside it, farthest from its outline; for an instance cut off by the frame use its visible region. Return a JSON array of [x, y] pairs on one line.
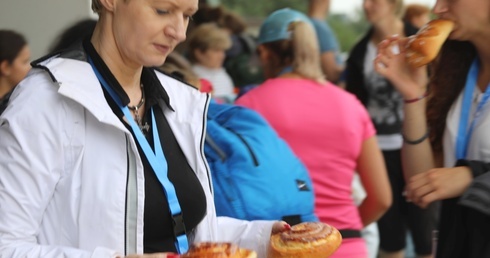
[[40, 21]]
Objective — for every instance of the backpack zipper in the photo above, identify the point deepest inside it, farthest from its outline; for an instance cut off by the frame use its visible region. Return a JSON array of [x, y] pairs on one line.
[[254, 157]]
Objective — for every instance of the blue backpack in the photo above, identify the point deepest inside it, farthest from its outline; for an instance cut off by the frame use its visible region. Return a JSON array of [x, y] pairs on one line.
[[255, 174]]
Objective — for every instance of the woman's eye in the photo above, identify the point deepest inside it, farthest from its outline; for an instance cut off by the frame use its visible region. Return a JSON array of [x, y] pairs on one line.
[[161, 12]]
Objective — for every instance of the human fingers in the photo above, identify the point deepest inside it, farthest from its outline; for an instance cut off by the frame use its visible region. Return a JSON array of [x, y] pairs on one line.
[[413, 184], [280, 226], [389, 40], [403, 43], [452, 182], [385, 48], [423, 194], [381, 64], [427, 199]]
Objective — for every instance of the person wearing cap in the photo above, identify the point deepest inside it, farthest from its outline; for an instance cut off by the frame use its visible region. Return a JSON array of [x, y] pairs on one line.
[[327, 128]]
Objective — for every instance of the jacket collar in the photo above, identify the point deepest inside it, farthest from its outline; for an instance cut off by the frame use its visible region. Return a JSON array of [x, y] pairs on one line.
[[74, 75], [78, 82]]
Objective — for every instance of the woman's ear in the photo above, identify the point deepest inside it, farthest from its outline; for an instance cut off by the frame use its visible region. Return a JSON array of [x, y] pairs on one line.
[[5, 68], [109, 4], [263, 52]]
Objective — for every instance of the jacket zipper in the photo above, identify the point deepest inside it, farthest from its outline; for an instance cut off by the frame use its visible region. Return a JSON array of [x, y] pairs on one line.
[[126, 202], [203, 136]]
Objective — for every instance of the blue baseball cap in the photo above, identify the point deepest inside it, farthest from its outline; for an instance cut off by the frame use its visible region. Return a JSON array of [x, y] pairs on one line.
[[276, 25]]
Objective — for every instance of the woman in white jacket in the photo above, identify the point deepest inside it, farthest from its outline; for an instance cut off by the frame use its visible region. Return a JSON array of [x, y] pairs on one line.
[[81, 145]]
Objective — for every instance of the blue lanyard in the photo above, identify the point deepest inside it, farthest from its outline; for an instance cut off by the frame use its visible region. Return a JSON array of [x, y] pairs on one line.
[[465, 131], [158, 163]]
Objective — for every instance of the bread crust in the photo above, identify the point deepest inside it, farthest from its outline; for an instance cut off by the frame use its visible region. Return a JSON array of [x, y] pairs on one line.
[[218, 250], [423, 47], [305, 240]]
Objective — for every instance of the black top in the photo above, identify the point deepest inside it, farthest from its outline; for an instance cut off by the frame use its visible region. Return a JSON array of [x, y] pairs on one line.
[[158, 227], [464, 224], [377, 94]]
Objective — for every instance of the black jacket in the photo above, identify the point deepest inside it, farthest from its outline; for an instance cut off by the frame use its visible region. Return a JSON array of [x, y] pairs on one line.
[[384, 96], [464, 229], [355, 65]]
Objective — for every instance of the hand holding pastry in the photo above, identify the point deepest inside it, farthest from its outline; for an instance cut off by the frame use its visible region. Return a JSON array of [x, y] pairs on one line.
[[405, 67], [392, 64]]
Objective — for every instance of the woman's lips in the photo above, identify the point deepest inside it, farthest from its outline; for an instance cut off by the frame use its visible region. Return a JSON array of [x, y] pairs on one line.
[[162, 49]]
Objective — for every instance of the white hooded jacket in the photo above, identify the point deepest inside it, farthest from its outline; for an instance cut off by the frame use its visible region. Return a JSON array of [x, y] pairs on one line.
[[65, 186]]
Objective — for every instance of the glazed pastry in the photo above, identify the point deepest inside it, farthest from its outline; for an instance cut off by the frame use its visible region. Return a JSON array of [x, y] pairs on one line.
[[305, 240], [218, 250], [424, 46]]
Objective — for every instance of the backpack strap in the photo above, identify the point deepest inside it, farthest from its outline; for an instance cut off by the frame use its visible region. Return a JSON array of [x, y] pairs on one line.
[[248, 41]]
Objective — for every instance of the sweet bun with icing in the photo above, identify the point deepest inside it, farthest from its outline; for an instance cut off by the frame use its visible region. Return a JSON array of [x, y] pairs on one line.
[[218, 250], [423, 47], [305, 240]]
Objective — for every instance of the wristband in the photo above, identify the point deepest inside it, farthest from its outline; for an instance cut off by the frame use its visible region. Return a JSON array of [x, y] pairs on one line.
[[416, 99], [417, 141]]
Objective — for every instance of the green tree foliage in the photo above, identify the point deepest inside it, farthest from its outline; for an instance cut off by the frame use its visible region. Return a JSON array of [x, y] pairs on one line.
[[348, 29], [262, 8]]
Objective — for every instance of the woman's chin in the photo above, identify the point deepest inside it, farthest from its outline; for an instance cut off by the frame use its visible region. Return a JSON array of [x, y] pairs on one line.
[[155, 62]]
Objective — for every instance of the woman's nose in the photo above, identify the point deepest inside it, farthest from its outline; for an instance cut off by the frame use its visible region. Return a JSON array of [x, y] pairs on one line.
[[177, 29], [440, 7]]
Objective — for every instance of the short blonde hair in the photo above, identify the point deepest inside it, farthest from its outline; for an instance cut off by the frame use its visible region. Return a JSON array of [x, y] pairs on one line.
[[399, 8], [415, 10], [207, 36]]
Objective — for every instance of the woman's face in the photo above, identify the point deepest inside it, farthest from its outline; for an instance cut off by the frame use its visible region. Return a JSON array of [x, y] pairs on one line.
[[265, 61], [212, 58], [18, 69], [377, 10], [472, 17], [146, 31]]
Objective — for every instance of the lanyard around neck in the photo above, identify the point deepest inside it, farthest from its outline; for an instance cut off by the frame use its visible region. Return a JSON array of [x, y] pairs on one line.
[[158, 163], [465, 130]]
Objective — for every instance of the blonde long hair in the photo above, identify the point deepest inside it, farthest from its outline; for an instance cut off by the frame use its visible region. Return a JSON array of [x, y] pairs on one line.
[[301, 52]]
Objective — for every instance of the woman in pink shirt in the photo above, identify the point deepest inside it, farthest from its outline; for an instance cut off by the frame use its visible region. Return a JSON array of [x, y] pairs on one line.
[[326, 127]]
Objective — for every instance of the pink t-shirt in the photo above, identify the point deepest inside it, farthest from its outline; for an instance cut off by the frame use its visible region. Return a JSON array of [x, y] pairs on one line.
[[325, 127]]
